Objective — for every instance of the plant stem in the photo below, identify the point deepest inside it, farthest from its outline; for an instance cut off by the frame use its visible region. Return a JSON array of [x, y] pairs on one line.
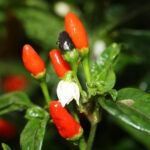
[[82, 144], [85, 63], [91, 136], [79, 85], [45, 91], [74, 67]]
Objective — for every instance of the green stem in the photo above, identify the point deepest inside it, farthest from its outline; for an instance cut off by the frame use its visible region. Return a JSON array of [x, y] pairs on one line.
[[85, 63], [76, 117], [45, 92], [79, 85], [74, 66], [82, 144], [91, 136]]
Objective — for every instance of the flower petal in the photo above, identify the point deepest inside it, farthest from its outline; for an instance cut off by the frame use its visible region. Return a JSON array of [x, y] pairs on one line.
[[67, 91]]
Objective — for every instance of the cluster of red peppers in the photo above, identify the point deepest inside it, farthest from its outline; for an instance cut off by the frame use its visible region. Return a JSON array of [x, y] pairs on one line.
[[74, 37]]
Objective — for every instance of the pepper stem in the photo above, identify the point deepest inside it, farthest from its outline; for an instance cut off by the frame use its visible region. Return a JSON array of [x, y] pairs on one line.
[[45, 92], [82, 144], [86, 68], [91, 136], [74, 67], [79, 85]]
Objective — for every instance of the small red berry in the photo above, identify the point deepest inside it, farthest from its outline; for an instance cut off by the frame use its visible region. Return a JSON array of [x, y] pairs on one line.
[[7, 129], [32, 60], [14, 83], [60, 65], [75, 29], [67, 126]]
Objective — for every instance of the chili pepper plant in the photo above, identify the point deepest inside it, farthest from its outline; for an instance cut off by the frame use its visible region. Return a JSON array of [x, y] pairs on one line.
[[88, 97]]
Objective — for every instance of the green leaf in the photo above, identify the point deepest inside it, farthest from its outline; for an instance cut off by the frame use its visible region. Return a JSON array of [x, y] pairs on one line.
[[40, 4], [35, 112], [5, 147], [102, 86], [40, 25], [113, 93], [33, 133], [104, 61], [132, 107], [103, 76], [142, 137], [14, 101]]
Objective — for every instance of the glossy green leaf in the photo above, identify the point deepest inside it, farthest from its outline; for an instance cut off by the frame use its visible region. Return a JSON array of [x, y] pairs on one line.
[[5, 147], [35, 112], [102, 86], [132, 107], [33, 134], [103, 63], [140, 136], [103, 76], [14, 101]]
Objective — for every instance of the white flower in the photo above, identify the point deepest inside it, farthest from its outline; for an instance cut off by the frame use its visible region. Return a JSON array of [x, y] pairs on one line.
[[67, 91]]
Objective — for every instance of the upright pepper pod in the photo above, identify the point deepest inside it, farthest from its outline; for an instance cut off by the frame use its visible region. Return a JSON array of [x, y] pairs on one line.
[[76, 31], [60, 65], [78, 35], [67, 126], [33, 62], [7, 129]]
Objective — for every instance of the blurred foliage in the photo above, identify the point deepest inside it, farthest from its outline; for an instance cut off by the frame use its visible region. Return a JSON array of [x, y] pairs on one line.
[[37, 23]]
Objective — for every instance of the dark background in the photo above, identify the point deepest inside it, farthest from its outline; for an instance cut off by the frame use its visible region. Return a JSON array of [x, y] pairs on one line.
[[39, 22]]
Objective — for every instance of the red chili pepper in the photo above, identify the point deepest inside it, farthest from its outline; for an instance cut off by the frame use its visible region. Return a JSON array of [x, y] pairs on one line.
[[14, 83], [32, 60], [67, 126], [7, 129], [60, 65], [76, 31]]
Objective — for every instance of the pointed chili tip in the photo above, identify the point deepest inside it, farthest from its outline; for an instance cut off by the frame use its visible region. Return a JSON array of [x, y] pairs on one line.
[[70, 14], [55, 108], [52, 52], [26, 47], [76, 30], [32, 61], [54, 104]]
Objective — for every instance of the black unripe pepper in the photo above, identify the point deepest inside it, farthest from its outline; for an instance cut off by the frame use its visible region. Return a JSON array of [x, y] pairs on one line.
[[65, 42]]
